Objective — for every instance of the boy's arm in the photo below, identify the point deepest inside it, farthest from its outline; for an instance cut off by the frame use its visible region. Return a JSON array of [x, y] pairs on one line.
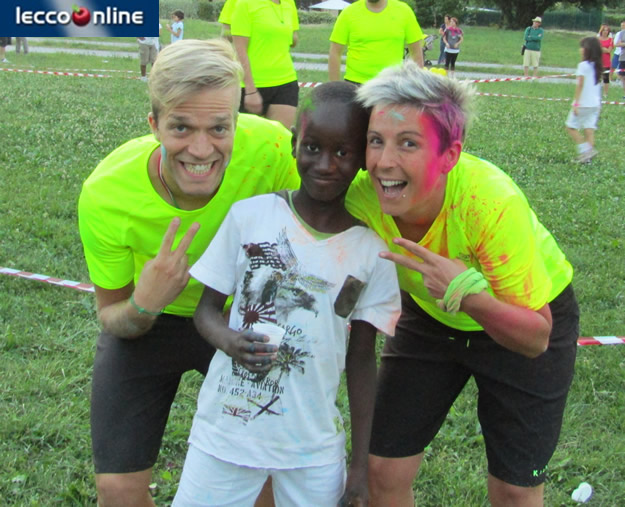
[[245, 347], [360, 369]]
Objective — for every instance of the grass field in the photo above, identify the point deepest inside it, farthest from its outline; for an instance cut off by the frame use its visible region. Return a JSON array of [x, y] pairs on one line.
[[54, 130]]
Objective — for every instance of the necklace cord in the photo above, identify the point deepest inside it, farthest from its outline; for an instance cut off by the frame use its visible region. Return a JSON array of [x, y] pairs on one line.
[[163, 182]]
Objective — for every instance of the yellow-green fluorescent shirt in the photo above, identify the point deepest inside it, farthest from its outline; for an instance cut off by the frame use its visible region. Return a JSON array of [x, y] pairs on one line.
[[270, 28], [122, 219], [374, 40], [487, 223], [225, 16]]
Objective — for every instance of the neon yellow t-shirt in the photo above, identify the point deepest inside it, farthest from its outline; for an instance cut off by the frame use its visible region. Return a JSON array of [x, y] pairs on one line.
[[487, 223], [122, 219], [270, 29], [374, 40], [225, 16]]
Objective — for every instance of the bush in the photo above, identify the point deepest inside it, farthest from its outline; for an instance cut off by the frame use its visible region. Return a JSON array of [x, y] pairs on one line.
[[166, 7], [482, 17], [315, 17], [573, 19], [209, 11]]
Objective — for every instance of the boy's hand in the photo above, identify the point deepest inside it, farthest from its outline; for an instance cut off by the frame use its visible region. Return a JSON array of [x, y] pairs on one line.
[[356, 490], [252, 351]]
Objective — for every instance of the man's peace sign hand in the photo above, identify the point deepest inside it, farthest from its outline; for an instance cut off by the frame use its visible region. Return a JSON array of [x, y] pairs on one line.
[[164, 277]]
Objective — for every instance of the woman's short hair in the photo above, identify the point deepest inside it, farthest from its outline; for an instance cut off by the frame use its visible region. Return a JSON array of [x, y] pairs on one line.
[[190, 66], [446, 101]]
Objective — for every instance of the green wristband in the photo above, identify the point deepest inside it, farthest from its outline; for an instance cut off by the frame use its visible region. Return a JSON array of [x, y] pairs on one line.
[[468, 282], [142, 310]]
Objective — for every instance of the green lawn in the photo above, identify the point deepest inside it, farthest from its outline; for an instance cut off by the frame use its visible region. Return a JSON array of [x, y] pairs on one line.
[[55, 129]]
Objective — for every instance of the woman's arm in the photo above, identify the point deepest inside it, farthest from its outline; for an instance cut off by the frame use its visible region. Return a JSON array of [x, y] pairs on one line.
[[517, 328], [253, 100]]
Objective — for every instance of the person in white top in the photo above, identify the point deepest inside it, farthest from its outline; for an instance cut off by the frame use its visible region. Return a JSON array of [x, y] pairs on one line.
[[148, 49], [177, 27], [617, 51], [300, 261], [587, 100]]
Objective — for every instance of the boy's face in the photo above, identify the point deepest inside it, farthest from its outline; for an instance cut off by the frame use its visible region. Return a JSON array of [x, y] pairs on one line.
[[329, 149]]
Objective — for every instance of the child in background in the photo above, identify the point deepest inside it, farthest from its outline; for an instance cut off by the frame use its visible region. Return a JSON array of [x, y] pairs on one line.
[[300, 260], [4, 42], [452, 38], [21, 43], [587, 100], [177, 27]]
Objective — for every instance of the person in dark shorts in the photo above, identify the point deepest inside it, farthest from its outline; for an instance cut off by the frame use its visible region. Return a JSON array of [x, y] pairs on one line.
[[4, 42], [146, 213], [263, 34], [487, 294]]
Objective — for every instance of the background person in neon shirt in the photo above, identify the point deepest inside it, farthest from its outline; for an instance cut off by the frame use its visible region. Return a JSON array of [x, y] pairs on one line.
[[263, 32], [487, 294], [375, 33]]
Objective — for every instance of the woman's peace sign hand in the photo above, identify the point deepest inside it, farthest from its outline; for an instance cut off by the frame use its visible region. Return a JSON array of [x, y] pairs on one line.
[[437, 271]]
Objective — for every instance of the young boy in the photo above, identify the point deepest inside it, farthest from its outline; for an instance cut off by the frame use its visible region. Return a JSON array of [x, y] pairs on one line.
[[299, 260], [177, 27]]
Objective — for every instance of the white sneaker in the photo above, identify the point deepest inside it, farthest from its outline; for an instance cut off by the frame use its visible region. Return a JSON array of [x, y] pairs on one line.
[[144, 79], [4, 61], [586, 156]]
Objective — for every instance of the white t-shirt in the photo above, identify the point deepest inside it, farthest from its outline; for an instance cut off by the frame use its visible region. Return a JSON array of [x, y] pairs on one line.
[[591, 91], [617, 38], [149, 41], [178, 25], [312, 288]]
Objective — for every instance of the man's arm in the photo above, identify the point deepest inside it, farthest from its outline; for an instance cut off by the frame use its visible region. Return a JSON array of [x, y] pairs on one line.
[[360, 369], [334, 61], [161, 281], [416, 53]]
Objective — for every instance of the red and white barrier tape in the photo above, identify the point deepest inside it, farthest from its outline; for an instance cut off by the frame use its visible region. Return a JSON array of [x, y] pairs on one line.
[[548, 99], [530, 78], [87, 287], [52, 73], [312, 84], [601, 340]]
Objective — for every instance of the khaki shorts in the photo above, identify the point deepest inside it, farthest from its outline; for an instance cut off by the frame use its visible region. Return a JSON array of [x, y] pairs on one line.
[[531, 58], [147, 54]]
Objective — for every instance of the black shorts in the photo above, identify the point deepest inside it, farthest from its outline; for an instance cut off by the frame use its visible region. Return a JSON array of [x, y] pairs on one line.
[[133, 387], [606, 76], [520, 400], [5, 41], [286, 95]]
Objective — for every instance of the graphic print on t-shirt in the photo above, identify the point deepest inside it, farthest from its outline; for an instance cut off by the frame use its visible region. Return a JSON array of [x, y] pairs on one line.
[[274, 286]]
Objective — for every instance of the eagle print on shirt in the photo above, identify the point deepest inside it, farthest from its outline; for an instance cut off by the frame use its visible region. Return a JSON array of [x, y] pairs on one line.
[[274, 287]]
